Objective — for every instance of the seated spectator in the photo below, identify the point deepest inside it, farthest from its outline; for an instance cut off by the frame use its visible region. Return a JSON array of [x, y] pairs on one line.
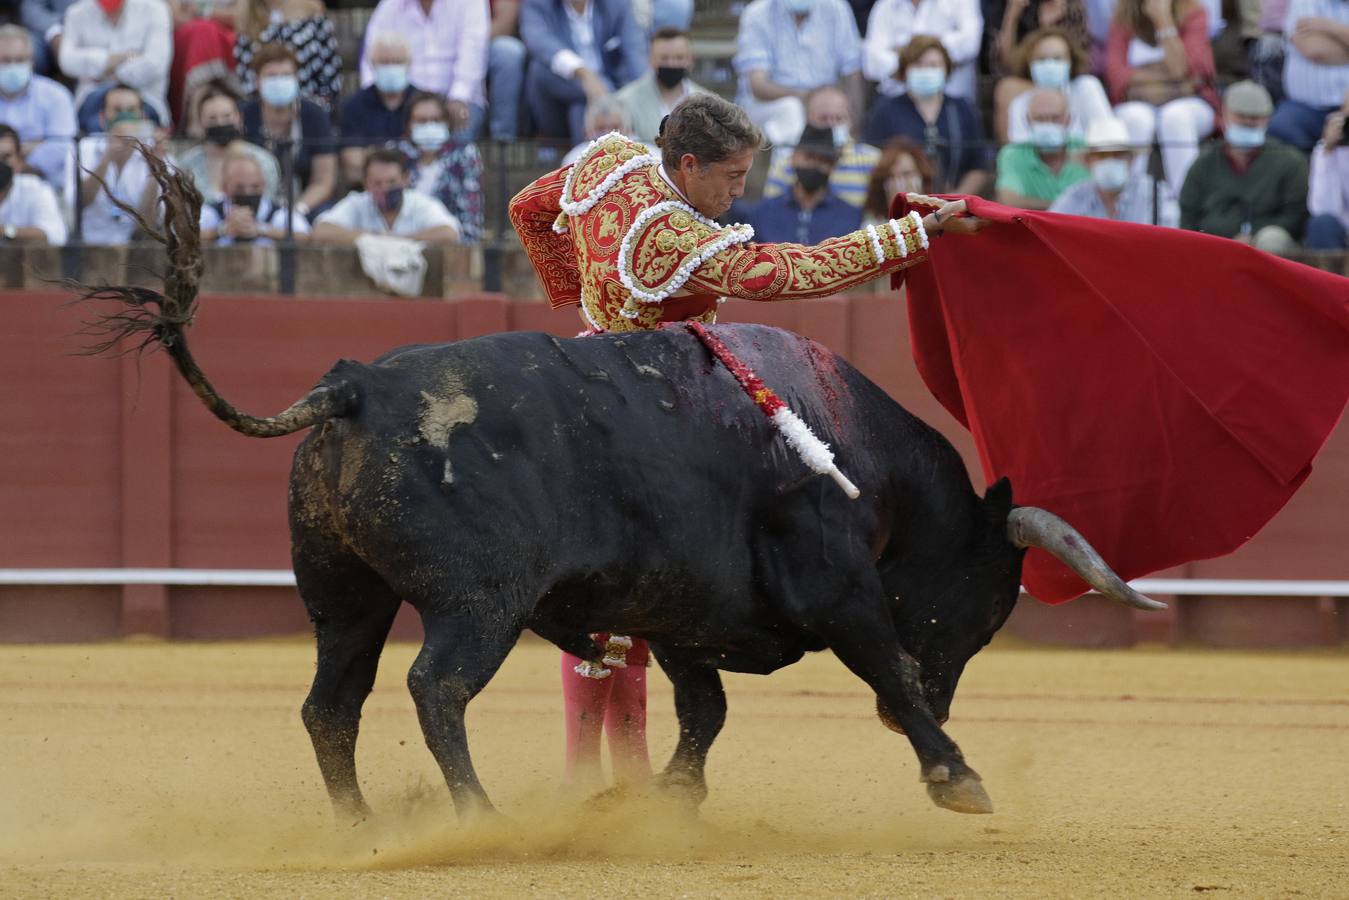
[[506, 57], [787, 48], [203, 53], [958, 24], [1032, 174], [1159, 71], [1048, 60], [386, 206], [1115, 190], [651, 97], [246, 213], [827, 107], [41, 17], [378, 113], [304, 28], [447, 42], [1328, 195], [580, 50], [107, 42], [29, 213], [111, 168], [221, 124], [1316, 70], [39, 109], [291, 128], [810, 212], [903, 168], [603, 116], [947, 128], [444, 168], [1021, 18], [1247, 187]]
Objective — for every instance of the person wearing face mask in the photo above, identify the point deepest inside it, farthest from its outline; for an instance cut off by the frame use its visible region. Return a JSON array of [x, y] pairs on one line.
[[377, 114], [828, 107], [122, 173], [1032, 174], [651, 97], [1115, 191], [304, 27], [958, 24], [810, 212], [903, 168], [1249, 187], [287, 124], [245, 213], [949, 129], [1021, 18], [1046, 59], [386, 207], [442, 167], [39, 109], [29, 212], [105, 42], [221, 126]]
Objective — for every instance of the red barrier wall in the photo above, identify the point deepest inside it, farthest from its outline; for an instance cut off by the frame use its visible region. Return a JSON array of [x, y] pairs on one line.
[[116, 463]]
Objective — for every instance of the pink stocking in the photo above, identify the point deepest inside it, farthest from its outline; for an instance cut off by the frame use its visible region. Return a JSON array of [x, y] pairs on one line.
[[625, 723], [584, 701]]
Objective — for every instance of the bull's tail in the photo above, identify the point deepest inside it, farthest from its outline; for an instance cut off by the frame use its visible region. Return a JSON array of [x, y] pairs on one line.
[[152, 319]]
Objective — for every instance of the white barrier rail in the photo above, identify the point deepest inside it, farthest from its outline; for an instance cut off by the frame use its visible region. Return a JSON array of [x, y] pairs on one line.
[[1231, 587]]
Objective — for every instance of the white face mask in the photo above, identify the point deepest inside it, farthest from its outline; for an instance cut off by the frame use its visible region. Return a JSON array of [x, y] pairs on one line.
[[799, 6], [430, 135], [391, 79], [1050, 73], [842, 134], [14, 77], [1048, 135], [1110, 174], [925, 81], [279, 90], [1244, 137]]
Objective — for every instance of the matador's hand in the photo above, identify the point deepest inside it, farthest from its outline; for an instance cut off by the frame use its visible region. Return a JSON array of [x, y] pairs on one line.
[[949, 217]]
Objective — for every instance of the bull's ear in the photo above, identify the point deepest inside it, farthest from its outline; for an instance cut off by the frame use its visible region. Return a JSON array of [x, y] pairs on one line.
[[998, 500]]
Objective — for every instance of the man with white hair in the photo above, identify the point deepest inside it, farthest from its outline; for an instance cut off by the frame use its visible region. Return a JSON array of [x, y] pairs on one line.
[[377, 113], [602, 116], [1115, 191], [39, 109], [447, 42]]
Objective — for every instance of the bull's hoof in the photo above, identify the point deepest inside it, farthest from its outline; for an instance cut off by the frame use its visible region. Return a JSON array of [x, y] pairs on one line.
[[962, 794], [682, 786]]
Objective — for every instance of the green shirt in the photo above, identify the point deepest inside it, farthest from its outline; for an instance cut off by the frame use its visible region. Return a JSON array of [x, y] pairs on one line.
[[1272, 191], [1022, 171]]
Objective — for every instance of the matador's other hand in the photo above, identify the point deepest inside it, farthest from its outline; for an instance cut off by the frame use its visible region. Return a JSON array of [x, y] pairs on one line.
[[951, 217]]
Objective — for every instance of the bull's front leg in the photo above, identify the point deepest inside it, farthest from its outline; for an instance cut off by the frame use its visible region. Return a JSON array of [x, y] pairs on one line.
[[864, 639], [700, 705]]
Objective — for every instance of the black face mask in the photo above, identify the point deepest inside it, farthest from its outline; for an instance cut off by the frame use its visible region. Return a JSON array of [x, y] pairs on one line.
[[670, 76], [252, 201], [811, 180], [6, 176], [221, 135], [393, 199]]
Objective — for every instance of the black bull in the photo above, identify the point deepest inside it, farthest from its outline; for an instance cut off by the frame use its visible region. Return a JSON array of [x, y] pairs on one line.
[[625, 483]]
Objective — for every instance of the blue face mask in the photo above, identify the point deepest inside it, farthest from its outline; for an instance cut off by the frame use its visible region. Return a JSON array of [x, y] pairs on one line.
[[925, 81], [799, 6], [391, 79], [1050, 73], [1244, 137], [279, 90], [14, 77], [1110, 174], [1048, 135]]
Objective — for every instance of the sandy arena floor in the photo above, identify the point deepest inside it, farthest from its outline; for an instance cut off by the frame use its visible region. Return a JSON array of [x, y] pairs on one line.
[[149, 769]]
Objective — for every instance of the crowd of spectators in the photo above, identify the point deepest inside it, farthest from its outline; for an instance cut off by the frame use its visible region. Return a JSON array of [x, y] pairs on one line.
[[1213, 115]]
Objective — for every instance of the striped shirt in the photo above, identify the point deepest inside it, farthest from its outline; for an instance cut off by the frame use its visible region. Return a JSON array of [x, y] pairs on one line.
[[1303, 80], [848, 182], [822, 50]]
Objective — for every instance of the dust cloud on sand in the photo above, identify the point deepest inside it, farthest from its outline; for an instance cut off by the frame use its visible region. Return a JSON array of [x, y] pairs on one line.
[[141, 768]]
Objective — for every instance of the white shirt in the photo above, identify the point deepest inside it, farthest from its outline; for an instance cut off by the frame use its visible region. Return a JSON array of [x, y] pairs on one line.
[[101, 222], [582, 26], [958, 24], [357, 211], [268, 215], [143, 27], [31, 203], [1087, 102]]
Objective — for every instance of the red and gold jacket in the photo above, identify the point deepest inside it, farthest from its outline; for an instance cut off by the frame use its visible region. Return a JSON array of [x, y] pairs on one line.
[[610, 233]]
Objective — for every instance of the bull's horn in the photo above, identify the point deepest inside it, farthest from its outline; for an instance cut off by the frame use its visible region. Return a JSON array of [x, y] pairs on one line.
[[1028, 526]]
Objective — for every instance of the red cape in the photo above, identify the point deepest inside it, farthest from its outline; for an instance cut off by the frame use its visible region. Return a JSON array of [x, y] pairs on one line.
[[1164, 391]]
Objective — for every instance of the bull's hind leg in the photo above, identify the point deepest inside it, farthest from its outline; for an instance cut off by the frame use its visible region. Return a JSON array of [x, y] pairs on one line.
[[352, 610], [700, 705], [461, 653]]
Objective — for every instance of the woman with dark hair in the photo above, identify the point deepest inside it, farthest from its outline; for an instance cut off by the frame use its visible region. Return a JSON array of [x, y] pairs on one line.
[[903, 168], [449, 170], [1160, 73], [947, 128], [220, 125], [630, 237], [1048, 59]]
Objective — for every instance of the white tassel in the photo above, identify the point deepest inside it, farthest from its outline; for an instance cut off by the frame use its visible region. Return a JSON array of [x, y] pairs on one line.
[[814, 452]]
